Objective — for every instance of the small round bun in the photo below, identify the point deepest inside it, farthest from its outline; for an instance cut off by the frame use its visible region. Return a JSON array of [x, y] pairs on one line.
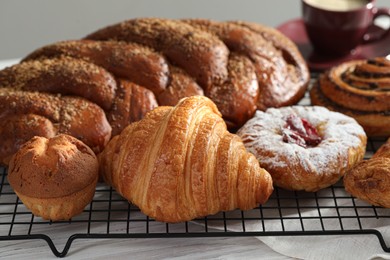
[[303, 147], [55, 178]]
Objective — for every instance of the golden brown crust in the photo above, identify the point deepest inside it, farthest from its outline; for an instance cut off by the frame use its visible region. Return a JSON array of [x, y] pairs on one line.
[[370, 179], [15, 130], [57, 209], [352, 85], [124, 102], [51, 114], [131, 67], [178, 41], [282, 74], [295, 167], [360, 89], [383, 151], [181, 85], [179, 163], [54, 177], [65, 76], [241, 88], [375, 124], [131, 103], [130, 61], [50, 168], [292, 76], [280, 69]]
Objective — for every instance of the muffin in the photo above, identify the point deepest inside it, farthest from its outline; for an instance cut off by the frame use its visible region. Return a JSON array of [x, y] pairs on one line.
[[55, 178]]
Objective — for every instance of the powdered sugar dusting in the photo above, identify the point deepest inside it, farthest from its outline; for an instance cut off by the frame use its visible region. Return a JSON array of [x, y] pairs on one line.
[[262, 136]]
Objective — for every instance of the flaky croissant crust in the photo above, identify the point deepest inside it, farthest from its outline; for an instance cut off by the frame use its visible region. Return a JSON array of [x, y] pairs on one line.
[[370, 180], [179, 163]]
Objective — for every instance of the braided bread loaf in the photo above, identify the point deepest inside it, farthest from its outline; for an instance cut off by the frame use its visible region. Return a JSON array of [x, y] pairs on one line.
[[279, 69], [27, 114], [129, 68]]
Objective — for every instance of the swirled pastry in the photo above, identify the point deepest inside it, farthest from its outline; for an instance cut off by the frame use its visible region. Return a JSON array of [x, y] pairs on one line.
[[304, 148], [370, 179], [360, 89]]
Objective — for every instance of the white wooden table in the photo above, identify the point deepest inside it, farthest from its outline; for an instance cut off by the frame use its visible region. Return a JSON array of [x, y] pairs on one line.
[[138, 248]]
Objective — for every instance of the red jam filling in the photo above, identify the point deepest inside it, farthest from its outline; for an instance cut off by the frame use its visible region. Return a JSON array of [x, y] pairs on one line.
[[299, 131]]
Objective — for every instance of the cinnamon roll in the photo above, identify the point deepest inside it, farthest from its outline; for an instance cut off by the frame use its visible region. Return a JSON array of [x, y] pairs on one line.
[[360, 89]]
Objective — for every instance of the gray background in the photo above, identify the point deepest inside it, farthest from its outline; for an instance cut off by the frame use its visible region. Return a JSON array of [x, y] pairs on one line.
[[28, 24]]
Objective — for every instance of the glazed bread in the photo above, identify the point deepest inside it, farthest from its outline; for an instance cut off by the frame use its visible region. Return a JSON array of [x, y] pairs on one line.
[[55, 178], [28, 114], [131, 67], [280, 70], [360, 89], [179, 163], [370, 179], [123, 101]]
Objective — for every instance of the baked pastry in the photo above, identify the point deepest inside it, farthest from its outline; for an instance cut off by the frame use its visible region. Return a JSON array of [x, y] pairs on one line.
[[55, 178], [303, 147], [240, 66], [370, 179], [360, 89], [123, 101], [27, 114], [179, 163], [143, 62], [280, 70]]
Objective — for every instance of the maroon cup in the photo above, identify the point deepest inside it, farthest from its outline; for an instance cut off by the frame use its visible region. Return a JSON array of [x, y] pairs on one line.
[[337, 33]]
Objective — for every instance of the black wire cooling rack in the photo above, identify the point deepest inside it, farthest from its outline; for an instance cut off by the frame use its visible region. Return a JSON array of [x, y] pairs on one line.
[[330, 211]]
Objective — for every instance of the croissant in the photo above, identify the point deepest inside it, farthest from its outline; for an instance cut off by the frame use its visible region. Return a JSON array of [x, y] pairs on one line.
[[370, 180], [179, 163]]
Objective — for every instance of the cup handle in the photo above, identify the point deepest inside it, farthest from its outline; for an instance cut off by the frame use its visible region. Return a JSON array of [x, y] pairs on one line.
[[377, 34]]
